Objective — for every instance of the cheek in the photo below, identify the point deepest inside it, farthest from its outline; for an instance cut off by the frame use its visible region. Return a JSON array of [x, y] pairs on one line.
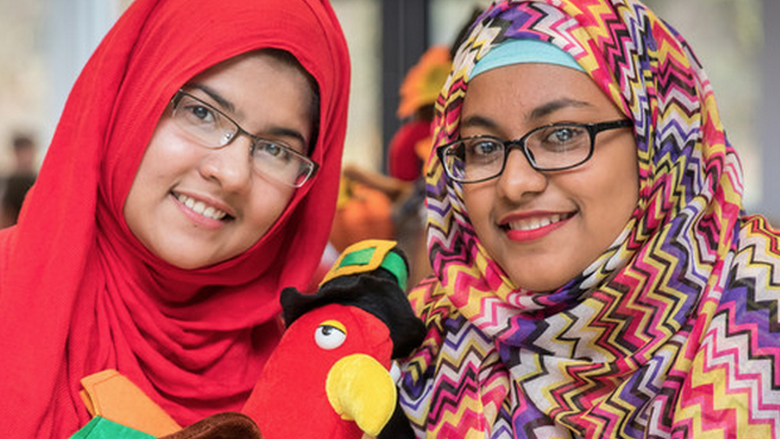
[[165, 157], [167, 150], [611, 197], [478, 201], [268, 202], [625, 181]]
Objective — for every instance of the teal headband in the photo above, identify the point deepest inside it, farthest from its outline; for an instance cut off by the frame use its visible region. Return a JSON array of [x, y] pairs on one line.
[[515, 51]]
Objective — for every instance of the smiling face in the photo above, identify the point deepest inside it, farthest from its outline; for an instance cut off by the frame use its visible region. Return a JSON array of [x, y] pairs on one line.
[[195, 206], [545, 228]]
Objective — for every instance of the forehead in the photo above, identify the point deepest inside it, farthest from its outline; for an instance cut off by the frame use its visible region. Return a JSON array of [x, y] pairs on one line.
[[258, 75], [263, 92], [525, 89]]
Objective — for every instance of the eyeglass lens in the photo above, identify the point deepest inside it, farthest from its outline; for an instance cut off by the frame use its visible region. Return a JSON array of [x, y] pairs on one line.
[[546, 148], [214, 129]]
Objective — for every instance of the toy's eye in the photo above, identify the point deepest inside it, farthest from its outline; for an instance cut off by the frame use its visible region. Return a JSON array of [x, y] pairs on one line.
[[330, 334]]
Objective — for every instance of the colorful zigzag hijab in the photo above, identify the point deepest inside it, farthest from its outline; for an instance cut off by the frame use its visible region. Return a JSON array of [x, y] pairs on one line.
[[671, 332]]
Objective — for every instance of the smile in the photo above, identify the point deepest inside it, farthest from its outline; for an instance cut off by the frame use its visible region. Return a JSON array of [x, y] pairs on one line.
[[529, 224], [201, 208]]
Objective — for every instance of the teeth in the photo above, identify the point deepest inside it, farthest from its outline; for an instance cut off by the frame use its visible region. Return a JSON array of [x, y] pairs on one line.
[[201, 208], [534, 223]]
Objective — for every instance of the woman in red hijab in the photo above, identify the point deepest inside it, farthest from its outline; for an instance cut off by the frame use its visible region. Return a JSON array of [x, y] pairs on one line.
[[192, 176]]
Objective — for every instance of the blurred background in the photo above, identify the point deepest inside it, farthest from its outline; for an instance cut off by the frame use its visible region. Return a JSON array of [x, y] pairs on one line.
[[44, 44]]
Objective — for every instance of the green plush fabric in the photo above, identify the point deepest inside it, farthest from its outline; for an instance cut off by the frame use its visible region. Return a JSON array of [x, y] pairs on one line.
[[100, 428]]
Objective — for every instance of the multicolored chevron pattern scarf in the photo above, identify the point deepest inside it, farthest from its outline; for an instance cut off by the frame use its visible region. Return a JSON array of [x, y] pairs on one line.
[[672, 333]]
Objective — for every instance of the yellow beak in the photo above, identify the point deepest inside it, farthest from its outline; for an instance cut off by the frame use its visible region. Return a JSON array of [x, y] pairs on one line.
[[360, 389]]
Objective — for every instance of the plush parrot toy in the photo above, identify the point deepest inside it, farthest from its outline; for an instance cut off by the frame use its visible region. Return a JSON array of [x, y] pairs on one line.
[[331, 376]]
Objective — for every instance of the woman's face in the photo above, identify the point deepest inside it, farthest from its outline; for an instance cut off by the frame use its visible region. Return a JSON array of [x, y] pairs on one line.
[[194, 206], [545, 228]]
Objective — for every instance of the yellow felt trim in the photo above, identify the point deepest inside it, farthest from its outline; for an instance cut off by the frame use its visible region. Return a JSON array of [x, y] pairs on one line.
[[360, 389], [111, 395], [381, 248]]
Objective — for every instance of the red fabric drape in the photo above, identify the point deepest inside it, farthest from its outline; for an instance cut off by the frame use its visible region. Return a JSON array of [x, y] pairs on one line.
[[79, 294]]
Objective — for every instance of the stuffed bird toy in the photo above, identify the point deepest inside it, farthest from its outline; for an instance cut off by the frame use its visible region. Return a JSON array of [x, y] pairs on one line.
[[330, 376]]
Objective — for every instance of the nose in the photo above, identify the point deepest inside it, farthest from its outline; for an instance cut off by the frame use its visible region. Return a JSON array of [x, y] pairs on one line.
[[519, 179], [230, 165]]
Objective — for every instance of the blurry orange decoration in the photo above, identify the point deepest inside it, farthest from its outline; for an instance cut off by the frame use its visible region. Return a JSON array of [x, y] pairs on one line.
[[424, 80], [361, 213]]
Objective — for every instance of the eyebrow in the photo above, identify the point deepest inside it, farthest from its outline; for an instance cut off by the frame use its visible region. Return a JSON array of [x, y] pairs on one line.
[[228, 106], [219, 99], [287, 132], [537, 113], [553, 106]]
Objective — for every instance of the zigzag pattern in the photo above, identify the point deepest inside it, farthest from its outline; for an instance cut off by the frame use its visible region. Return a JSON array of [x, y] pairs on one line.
[[734, 384], [673, 332]]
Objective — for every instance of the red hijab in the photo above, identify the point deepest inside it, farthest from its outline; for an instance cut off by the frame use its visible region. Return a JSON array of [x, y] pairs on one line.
[[79, 294]]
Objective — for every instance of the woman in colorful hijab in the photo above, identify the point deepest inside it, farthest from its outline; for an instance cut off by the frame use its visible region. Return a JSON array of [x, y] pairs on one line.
[[595, 274], [192, 176]]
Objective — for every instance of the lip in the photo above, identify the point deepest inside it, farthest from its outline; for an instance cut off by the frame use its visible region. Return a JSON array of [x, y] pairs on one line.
[[199, 219], [542, 223]]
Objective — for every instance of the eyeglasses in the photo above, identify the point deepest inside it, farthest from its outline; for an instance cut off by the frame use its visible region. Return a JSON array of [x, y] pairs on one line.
[[548, 148], [214, 129]]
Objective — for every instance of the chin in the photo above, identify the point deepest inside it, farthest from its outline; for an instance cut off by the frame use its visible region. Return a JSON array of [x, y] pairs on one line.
[[192, 266], [184, 260], [186, 264], [538, 285]]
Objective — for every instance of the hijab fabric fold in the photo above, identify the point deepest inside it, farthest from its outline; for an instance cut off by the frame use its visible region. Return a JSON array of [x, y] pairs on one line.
[[671, 332], [79, 294]]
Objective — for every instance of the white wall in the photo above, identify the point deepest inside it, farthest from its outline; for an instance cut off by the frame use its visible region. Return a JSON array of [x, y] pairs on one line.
[[73, 29]]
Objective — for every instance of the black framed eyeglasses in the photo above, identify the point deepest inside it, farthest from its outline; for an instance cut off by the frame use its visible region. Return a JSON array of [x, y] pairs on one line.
[[554, 147], [214, 129]]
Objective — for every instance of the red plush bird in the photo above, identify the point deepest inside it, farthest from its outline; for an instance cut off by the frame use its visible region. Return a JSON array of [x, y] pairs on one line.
[[330, 375]]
